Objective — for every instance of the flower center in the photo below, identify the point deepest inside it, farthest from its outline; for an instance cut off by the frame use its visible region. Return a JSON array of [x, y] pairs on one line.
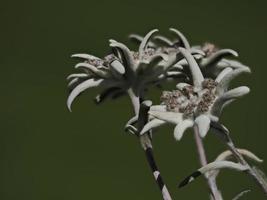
[[189, 102], [147, 54]]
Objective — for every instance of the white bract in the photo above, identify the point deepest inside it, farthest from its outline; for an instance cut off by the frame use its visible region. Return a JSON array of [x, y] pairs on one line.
[[197, 104]]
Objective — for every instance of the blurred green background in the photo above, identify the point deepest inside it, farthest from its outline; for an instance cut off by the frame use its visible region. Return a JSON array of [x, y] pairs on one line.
[[48, 153]]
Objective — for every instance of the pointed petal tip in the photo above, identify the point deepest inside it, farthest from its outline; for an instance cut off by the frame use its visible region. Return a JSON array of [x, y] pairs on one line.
[[178, 137], [233, 52], [203, 125], [80, 88], [245, 89], [154, 123], [154, 30], [74, 55], [247, 70], [69, 106], [181, 127], [112, 40], [78, 55], [145, 41], [227, 52], [239, 91], [131, 35]]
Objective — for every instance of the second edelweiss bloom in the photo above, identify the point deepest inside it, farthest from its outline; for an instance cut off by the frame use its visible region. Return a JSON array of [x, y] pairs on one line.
[[211, 59], [198, 104], [123, 71]]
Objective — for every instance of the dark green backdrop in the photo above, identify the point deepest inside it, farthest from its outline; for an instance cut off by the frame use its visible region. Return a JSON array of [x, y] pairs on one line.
[[48, 153]]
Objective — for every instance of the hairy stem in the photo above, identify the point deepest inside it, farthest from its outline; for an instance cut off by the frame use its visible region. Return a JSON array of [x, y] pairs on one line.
[[215, 193], [146, 143]]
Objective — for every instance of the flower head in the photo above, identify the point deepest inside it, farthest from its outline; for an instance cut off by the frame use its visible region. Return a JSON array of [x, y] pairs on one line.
[[122, 71], [199, 103], [211, 59]]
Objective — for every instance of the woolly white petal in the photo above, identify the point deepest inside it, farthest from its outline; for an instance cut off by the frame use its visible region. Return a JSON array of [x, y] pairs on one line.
[[73, 81], [145, 41], [131, 129], [171, 117], [228, 154], [223, 73], [193, 66], [235, 93], [117, 66], [173, 73], [85, 56], [158, 108], [136, 37], [181, 128], [203, 124], [85, 65], [217, 56], [154, 123], [231, 63], [181, 37], [227, 98], [225, 81], [80, 88], [132, 120], [126, 53], [222, 164], [139, 39], [93, 69], [79, 75]]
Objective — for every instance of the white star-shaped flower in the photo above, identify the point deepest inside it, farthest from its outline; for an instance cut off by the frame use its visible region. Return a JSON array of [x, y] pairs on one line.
[[198, 104], [123, 71]]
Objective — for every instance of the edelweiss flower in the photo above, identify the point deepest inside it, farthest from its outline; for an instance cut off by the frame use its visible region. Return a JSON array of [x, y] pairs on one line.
[[198, 104], [210, 58], [123, 71]]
